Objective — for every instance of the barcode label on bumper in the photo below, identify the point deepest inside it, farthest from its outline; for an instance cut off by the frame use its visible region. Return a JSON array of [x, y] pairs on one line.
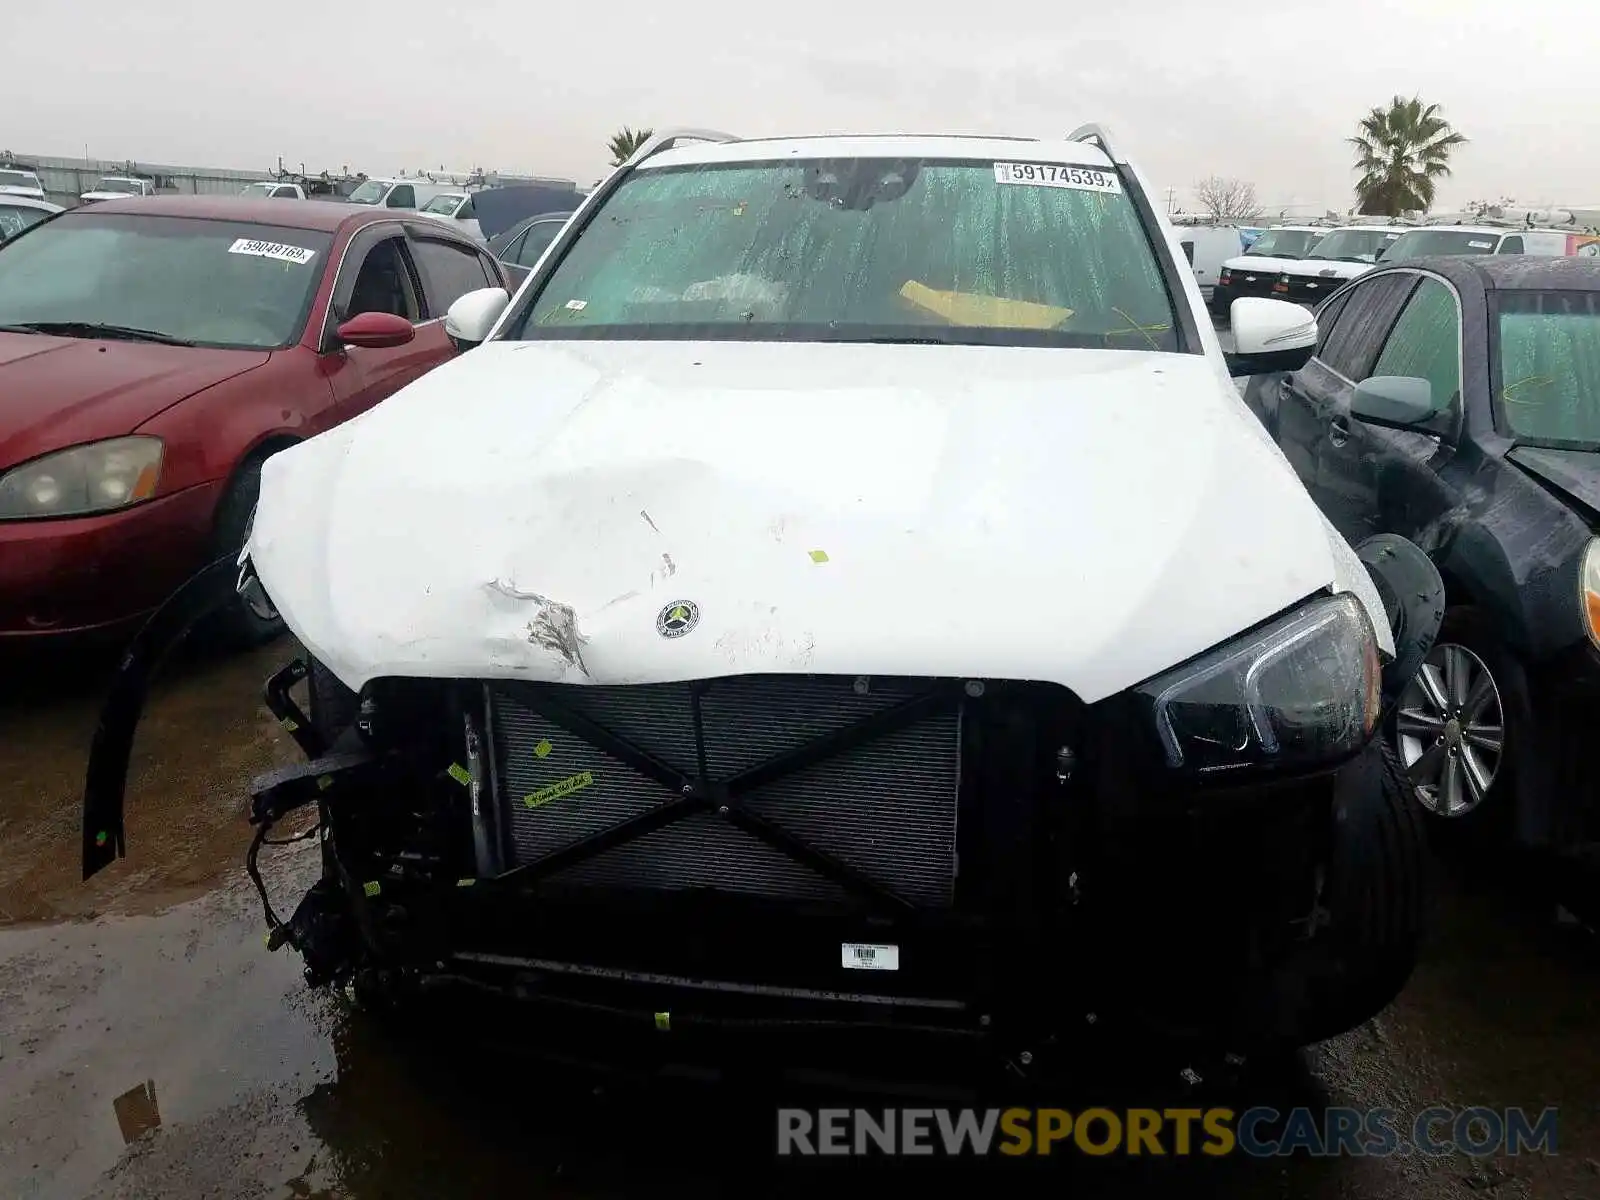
[[871, 958]]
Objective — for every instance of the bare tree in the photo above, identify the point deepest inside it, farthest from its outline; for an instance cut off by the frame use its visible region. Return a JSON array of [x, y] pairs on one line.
[[1227, 200]]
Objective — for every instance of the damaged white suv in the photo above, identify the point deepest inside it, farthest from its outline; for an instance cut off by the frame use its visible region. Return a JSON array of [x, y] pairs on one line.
[[842, 591]]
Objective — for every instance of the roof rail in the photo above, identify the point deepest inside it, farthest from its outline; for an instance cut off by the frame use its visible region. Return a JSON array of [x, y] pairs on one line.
[[668, 138], [1100, 136]]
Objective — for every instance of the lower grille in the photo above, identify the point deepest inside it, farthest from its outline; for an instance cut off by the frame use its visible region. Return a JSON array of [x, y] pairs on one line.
[[885, 807]]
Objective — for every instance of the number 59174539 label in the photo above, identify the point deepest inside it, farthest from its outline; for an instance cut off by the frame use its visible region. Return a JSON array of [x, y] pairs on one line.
[[1083, 179]]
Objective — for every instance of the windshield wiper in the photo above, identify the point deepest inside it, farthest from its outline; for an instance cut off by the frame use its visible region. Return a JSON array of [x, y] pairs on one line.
[[93, 329]]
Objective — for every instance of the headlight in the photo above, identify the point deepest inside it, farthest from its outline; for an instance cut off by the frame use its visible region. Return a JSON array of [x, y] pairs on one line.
[[1589, 590], [94, 478], [1305, 689]]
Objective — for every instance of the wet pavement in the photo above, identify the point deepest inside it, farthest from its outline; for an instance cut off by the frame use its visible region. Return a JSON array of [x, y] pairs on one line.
[[151, 1047]]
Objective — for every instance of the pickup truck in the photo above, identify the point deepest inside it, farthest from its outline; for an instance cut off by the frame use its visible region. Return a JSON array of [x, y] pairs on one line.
[[115, 187], [274, 189]]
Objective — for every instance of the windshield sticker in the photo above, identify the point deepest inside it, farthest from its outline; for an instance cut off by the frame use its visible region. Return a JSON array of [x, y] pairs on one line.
[[1082, 179], [277, 250], [577, 305], [1481, 245], [1389, 237], [992, 312]]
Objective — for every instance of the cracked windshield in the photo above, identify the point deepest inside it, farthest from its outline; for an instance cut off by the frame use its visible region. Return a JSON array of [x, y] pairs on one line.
[[783, 602], [863, 250]]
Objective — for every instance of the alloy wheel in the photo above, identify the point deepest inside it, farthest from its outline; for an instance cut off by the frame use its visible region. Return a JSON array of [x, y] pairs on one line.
[[1450, 731]]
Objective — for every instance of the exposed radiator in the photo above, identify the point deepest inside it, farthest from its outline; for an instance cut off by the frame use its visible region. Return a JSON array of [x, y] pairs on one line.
[[886, 808]]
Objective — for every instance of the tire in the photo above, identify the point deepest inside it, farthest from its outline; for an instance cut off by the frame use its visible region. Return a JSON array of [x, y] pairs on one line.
[[238, 627], [1468, 809], [1376, 900]]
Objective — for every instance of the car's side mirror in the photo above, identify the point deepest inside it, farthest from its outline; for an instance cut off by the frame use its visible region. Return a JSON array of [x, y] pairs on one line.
[[471, 317], [1270, 335], [376, 331], [1393, 400]]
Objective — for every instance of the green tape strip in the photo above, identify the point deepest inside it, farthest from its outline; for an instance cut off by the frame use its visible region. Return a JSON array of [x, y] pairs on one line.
[[664, 1021], [573, 783], [460, 774], [372, 888]]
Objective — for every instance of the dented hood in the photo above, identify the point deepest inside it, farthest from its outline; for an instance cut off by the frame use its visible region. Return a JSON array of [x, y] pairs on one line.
[[612, 512]]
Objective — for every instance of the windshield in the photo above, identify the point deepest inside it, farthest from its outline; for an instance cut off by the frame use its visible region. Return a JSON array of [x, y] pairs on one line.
[[1439, 241], [1285, 243], [118, 185], [14, 218], [862, 250], [370, 192], [1547, 366], [260, 189], [20, 179], [442, 204], [1353, 245], [218, 283]]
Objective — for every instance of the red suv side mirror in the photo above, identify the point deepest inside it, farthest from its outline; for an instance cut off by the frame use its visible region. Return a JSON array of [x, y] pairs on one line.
[[376, 331]]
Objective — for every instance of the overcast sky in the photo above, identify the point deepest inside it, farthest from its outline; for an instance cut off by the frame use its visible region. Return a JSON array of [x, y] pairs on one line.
[[1263, 93]]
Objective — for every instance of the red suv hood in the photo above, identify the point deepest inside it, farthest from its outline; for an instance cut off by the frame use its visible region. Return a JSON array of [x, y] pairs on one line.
[[57, 392]]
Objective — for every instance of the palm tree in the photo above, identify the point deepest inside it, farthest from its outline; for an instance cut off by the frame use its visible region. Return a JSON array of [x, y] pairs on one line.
[[1401, 151], [625, 142]]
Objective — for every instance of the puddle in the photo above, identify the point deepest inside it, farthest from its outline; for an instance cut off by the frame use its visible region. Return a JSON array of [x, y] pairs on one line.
[[166, 1055], [171, 1057], [205, 733]]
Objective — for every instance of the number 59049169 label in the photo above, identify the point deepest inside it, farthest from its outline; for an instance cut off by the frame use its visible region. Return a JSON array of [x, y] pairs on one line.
[[1083, 179]]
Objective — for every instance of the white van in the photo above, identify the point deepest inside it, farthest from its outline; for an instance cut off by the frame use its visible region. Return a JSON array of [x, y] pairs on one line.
[[398, 193], [1207, 247], [1485, 239], [1255, 271], [1341, 255]]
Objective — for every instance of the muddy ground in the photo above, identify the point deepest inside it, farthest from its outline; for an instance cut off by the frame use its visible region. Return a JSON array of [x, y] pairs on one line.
[[151, 1047]]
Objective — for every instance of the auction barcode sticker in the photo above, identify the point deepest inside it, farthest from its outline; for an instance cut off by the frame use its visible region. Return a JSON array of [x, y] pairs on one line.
[[294, 254], [861, 957], [1083, 179]]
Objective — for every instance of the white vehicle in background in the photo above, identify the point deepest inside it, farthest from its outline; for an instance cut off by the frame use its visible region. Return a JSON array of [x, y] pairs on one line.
[[398, 193], [15, 182], [273, 190], [19, 212], [1345, 253], [1207, 247], [117, 187], [455, 207], [1485, 239], [1255, 271]]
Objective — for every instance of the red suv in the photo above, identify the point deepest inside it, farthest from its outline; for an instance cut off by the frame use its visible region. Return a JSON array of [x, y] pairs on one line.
[[154, 352]]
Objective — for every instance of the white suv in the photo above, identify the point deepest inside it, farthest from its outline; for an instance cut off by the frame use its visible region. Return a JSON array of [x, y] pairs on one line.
[[843, 588]]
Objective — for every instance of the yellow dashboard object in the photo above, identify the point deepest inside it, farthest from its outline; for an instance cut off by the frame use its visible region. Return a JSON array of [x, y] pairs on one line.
[[995, 312]]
